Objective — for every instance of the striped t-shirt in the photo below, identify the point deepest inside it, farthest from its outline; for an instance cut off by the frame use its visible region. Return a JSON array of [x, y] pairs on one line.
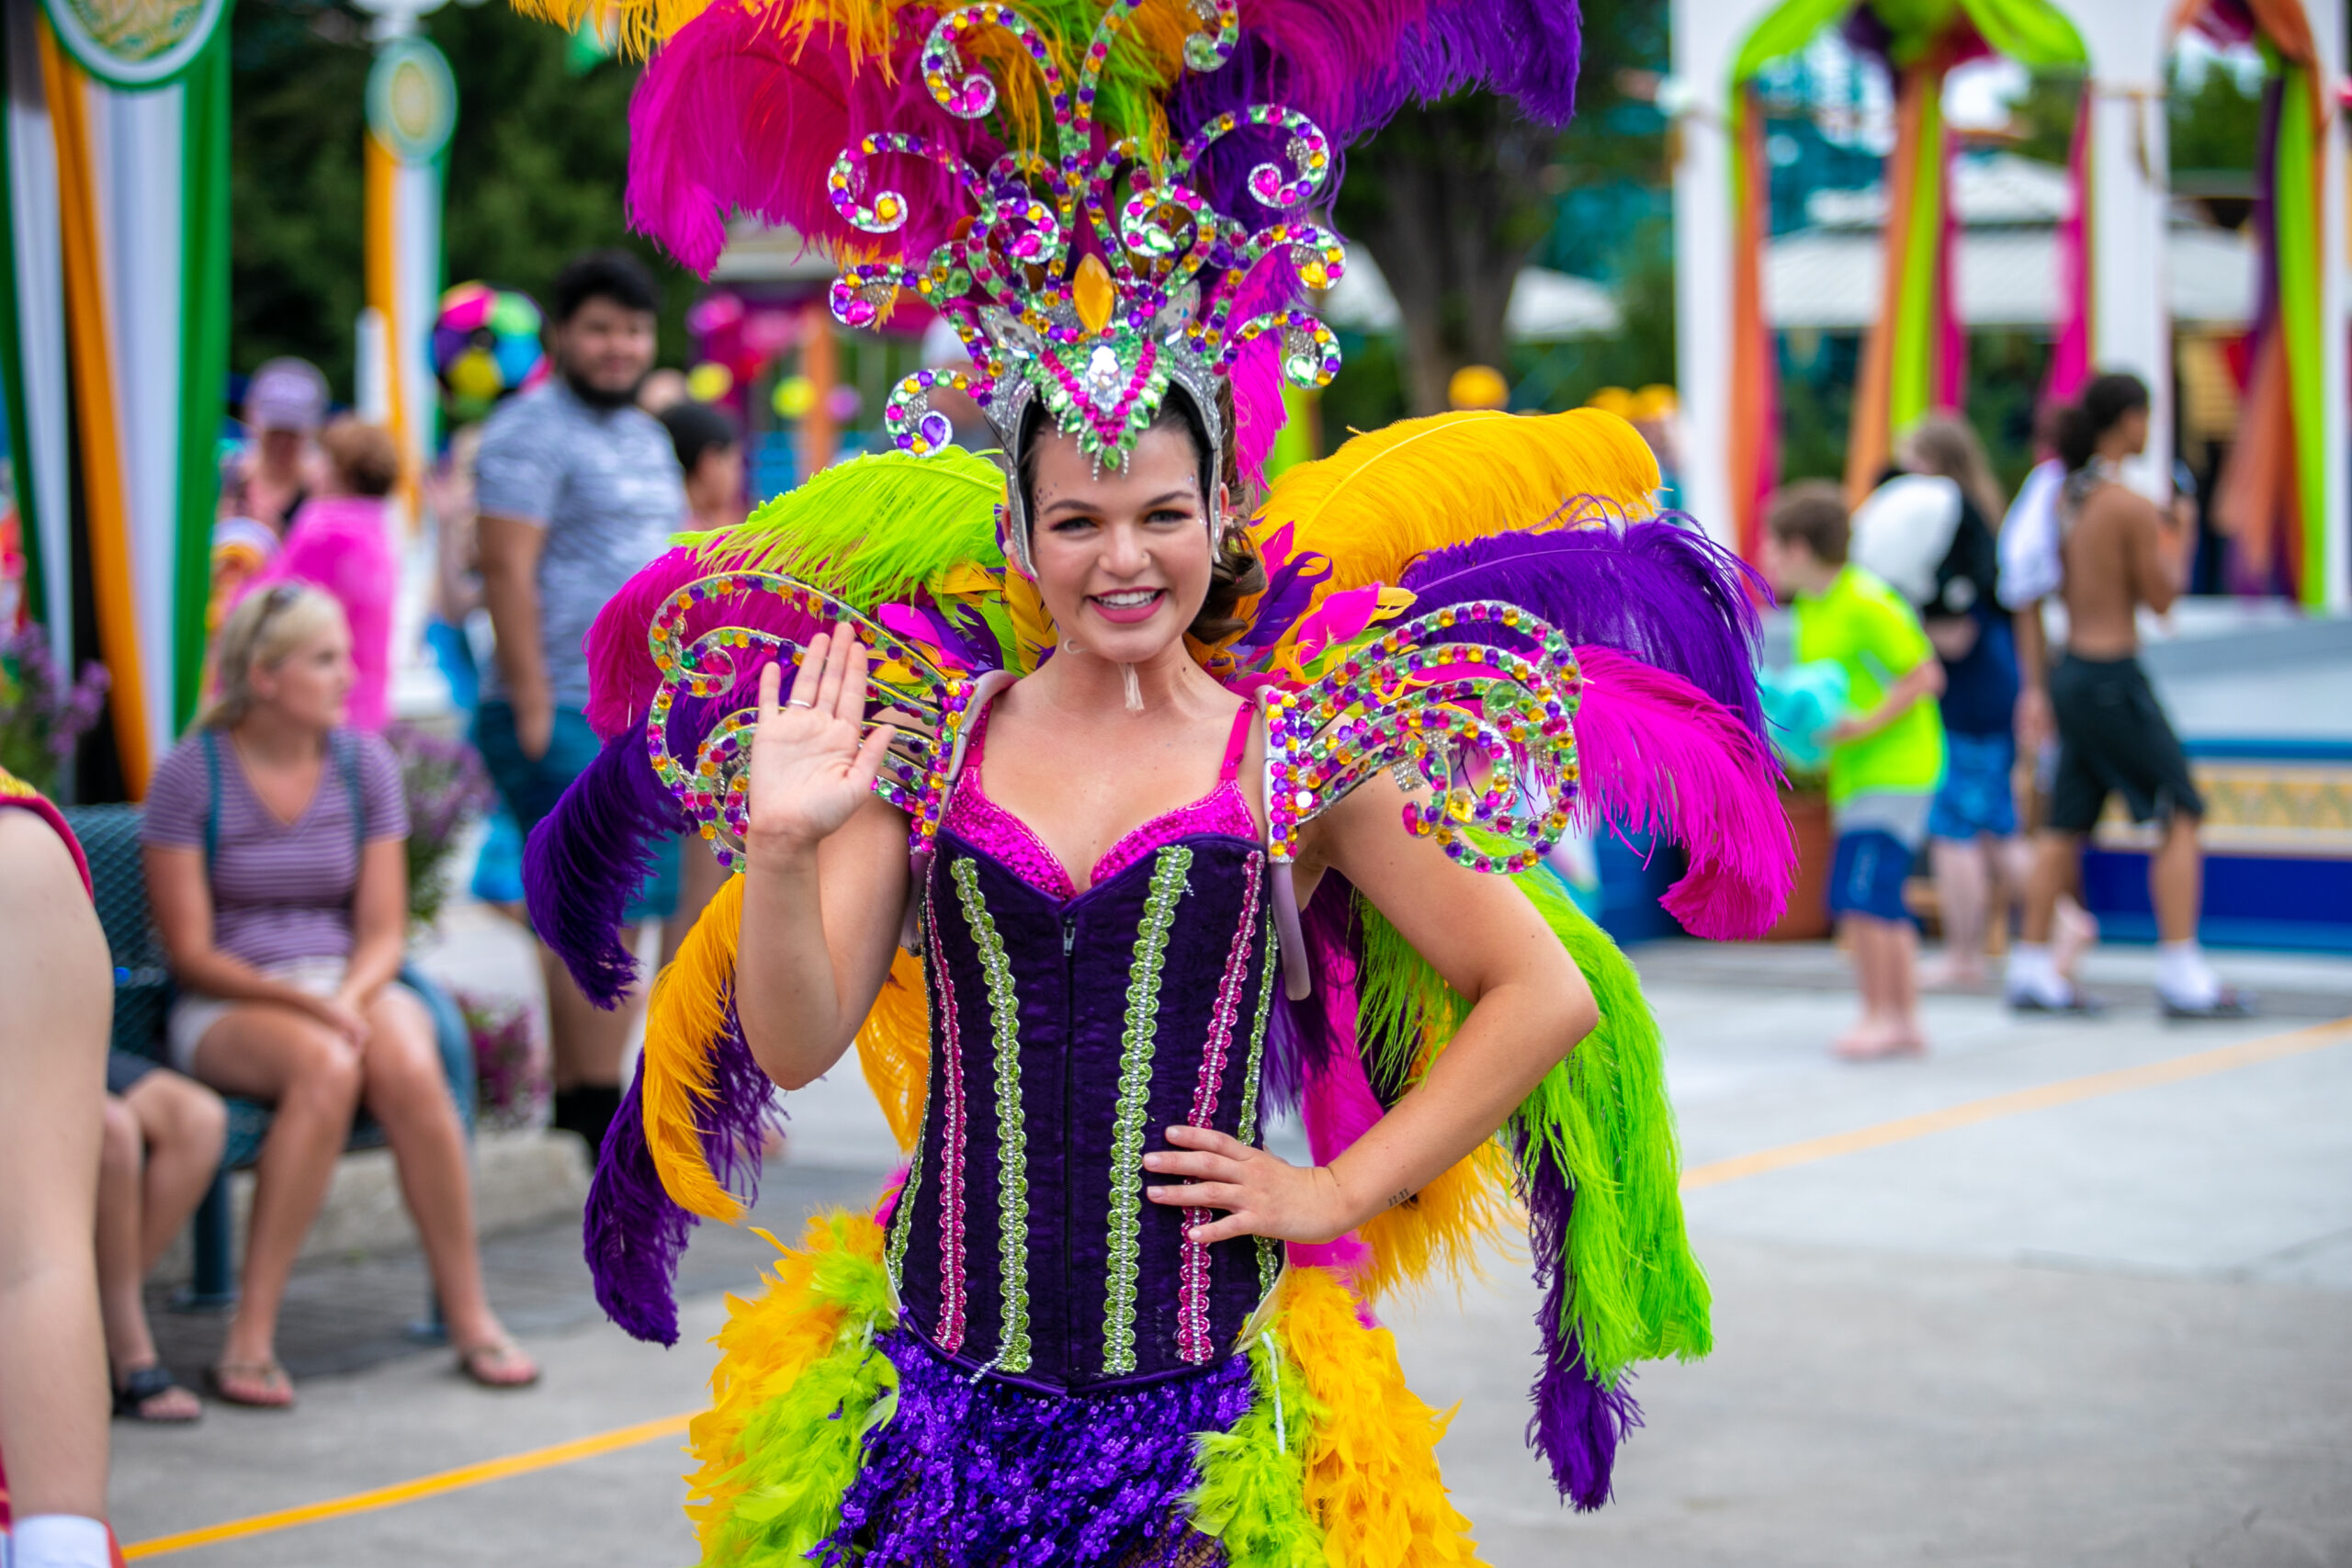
[[280, 890]]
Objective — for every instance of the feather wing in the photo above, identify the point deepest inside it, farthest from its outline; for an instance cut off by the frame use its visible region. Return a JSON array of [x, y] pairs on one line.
[[1659, 591], [1386, 499], [1657, 753]]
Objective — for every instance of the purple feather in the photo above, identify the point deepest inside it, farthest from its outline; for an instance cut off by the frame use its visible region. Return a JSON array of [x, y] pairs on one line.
[[632, 1233], [1528, 50], [587, 858], [1665, 594], [1579, 1421], [1289, 594]]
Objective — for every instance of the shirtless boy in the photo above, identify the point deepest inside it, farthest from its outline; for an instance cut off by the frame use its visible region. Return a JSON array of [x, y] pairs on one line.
[[2119, 552]]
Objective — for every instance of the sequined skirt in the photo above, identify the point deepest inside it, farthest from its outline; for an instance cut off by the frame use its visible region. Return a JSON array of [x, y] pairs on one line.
[[838, 1436]]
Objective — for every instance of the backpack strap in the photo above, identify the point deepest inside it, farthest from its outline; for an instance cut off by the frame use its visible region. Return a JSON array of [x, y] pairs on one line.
[[211, 794], [342, 749]]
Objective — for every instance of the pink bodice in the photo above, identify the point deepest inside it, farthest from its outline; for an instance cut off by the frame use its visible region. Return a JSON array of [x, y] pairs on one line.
[[988, 826]]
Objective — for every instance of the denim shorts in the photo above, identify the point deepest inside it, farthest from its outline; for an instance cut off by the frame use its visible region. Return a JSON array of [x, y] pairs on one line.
[[1975, 798], [1866, 877], [531, 789]]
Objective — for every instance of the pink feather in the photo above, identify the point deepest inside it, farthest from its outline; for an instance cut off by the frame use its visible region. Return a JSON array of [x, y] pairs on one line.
[[735, 113], [621, 674], [1657, 754]]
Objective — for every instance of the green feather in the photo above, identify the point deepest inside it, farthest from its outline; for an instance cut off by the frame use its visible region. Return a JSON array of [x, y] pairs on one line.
[[875, 529], [1252, 1490], [1636, 1293], [802, 1449]]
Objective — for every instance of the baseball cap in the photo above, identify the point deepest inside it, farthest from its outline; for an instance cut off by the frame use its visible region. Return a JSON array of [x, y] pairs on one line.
[[287, 394]]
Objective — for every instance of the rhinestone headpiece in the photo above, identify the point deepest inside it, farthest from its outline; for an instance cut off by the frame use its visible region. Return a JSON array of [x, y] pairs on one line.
[[1096, 336]]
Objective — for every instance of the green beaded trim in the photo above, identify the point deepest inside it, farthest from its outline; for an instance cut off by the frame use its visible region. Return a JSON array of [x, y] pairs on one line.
[[1134, 1089], [1247, 1131], [1011, 1132], [902, 1223], [1269, 1251]]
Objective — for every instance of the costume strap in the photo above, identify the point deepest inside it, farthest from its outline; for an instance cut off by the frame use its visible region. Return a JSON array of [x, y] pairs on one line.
[[1237, 744]]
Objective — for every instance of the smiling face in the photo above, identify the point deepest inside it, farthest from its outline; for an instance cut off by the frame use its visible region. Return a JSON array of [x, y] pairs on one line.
[[311, 685], [1122, 556]]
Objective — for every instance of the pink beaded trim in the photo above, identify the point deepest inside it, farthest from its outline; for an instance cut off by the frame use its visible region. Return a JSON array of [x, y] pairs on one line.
[[1008, 840], [951, 1163], [1193, 1342]]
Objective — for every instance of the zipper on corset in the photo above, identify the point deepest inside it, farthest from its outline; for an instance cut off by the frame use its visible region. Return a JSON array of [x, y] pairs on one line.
[[1069, 1022]]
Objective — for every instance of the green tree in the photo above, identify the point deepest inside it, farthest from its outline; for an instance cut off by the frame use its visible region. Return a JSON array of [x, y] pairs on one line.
[[536, 170], [1453, 198]]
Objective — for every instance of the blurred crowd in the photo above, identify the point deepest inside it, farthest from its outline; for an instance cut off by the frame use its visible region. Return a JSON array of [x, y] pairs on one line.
[[274, 859], [1927, 700]]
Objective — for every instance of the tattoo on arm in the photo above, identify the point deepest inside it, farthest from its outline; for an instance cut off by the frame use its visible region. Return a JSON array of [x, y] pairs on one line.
[[1401, 1199]]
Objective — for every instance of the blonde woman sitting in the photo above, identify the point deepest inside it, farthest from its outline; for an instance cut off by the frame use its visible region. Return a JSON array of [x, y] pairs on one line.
[[277, 864]]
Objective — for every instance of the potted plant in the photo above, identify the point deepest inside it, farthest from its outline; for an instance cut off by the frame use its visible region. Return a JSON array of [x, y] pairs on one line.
[[41, 717], [1805, 797], [447, 788]]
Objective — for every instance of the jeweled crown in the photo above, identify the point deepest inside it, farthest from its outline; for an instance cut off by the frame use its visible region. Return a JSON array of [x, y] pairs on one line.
[[1095, 333]]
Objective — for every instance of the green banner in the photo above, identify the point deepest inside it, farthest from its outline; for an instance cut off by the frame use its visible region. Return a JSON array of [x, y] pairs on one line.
[[136, 43]]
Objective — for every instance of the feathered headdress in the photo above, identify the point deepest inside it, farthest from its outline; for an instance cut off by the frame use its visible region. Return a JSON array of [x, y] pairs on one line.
[[1105, 201]]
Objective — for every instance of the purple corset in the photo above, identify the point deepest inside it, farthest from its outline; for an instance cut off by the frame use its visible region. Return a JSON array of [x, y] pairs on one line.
[[1068, 1034]]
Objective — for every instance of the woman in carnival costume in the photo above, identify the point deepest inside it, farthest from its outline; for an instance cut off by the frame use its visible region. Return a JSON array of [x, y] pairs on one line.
[[1108, 814]]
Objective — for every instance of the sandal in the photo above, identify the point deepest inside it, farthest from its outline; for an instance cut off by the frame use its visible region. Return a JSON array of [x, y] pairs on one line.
[[256, 1385], [499, 1364], [142, 1386]]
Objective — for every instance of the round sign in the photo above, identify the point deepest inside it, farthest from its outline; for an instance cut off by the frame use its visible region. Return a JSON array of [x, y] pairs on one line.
[[411, 100], [134, 43]]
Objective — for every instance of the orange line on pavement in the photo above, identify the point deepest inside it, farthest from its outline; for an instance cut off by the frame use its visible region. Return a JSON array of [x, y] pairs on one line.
[[411, 1491], [2176, 1069]]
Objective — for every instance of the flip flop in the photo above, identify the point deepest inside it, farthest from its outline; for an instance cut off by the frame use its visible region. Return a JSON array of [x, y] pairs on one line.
[[140, 1385], [2230, 1002], [478, 1362], [268, 1376]]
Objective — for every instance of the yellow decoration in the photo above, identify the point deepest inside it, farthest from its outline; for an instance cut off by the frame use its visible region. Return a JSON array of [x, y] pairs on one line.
[[894, 1048], [1372, 1473], [765, 1346], [794, 397], [709, 381], [1478, 387], [687, 1011], [474, 374], [1092, 292]]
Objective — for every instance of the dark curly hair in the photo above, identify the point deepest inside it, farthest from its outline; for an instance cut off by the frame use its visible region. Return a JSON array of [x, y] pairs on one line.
[[1235, 573]]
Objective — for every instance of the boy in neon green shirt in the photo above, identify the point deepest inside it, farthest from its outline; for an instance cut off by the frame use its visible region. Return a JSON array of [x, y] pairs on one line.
[[1885, 757]]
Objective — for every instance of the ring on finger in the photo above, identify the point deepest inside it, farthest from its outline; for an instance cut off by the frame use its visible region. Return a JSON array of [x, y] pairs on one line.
[[801, 703]]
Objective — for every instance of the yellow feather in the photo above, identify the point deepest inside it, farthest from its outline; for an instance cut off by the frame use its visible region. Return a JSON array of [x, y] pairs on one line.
[[684, 1016], [1422, 484], [764, 1348], [1466, 1211], [863, 27], [1372, 1473], [1033, 624], [894, 1048]]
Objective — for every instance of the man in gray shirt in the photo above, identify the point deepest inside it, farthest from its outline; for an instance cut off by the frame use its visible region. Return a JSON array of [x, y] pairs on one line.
[[577, 488]]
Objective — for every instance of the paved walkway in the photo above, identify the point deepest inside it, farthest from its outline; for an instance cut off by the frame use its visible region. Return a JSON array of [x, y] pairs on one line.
[[2095, 1322]]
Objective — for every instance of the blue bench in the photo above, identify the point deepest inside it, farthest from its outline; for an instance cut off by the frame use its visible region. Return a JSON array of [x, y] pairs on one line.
[[142, 999]]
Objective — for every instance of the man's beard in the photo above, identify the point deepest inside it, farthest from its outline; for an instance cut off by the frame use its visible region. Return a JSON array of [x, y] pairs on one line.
[[598, 397]]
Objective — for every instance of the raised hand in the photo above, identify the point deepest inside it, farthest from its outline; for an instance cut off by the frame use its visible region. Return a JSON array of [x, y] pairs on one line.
[[812, 764]]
